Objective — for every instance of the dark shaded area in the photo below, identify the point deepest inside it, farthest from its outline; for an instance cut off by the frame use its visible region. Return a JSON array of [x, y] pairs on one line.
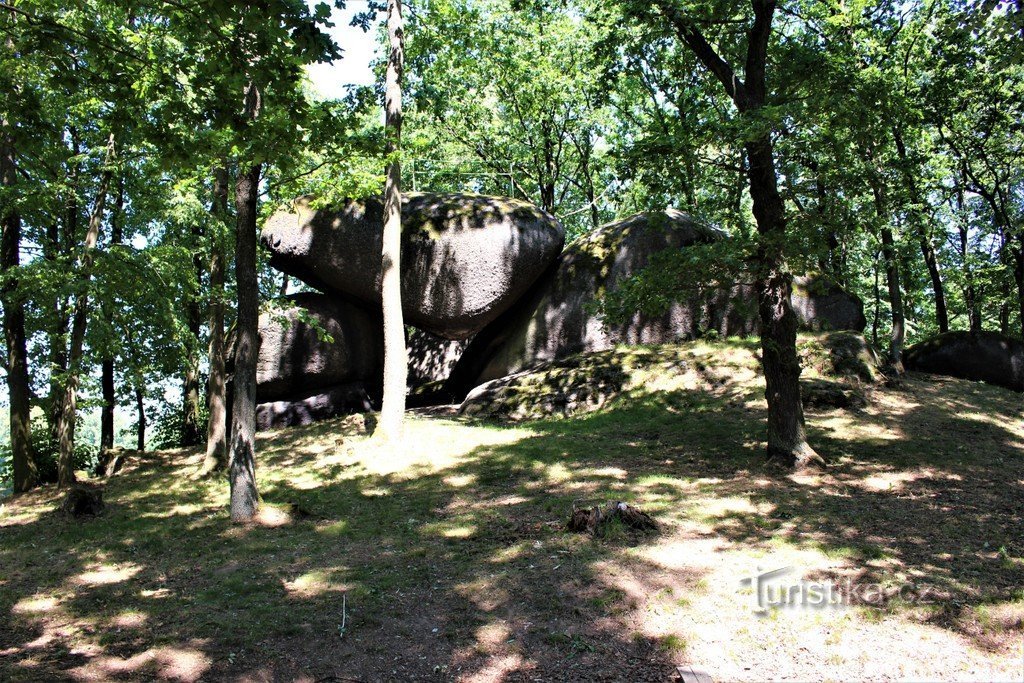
[[322, 404], [313, 341], [983, 356], [821, 305]]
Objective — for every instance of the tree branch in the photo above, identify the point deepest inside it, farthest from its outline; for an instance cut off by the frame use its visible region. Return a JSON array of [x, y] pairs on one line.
[[703, 50]]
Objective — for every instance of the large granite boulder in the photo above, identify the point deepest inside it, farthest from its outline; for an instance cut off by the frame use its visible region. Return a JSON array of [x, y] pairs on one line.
[[822, 306], [987, 356], [558, 318], [465, 258], [296, 359]]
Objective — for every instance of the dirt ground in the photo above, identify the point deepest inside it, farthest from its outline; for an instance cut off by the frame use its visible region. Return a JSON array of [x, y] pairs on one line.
[[448, 558]]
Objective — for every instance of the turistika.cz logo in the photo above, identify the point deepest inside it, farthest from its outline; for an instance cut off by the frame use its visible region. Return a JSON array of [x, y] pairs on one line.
[[776, 589]]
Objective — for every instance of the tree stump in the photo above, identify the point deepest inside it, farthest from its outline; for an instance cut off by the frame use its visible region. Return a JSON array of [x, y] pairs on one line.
[[594, 520], [82, 501]]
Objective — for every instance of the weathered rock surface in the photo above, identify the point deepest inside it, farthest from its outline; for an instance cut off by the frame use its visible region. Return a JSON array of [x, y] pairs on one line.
[[987, 357], [295, 361], [465, 258], [431, 358], [821, 305], [843, 354], [323, 404], [558, 319]]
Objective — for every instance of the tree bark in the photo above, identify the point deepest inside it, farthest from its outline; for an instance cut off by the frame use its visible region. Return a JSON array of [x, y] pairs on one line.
[[245, 498], [971, 298], [216, 432], [892, 278], [69, 407], [23, 463], [787, 441], [107, 371], [140, 407], [389, 427], [924, 239], [190, 384]]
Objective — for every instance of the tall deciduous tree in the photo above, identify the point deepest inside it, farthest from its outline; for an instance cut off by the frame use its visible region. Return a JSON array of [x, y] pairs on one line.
[[395, 359], [18, 388], [787, 441]]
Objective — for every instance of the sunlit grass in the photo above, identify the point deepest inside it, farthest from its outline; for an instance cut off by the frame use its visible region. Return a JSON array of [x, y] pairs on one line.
[[460, 528]]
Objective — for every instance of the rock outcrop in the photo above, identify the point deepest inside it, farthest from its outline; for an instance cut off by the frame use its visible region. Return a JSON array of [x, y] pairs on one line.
[[297, 358], [558, 318], [987, 357], [465, 258]]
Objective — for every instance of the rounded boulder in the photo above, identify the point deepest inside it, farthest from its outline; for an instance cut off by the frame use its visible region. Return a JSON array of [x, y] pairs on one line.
[[986, 357], [465, 258]]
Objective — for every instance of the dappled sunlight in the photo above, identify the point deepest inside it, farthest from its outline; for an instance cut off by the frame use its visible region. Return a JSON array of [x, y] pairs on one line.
[[449, 556], [104, 574], [166, 663], [36, 604], [314, 583]]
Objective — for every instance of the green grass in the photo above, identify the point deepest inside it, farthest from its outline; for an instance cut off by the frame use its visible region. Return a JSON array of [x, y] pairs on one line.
[[462, 530]]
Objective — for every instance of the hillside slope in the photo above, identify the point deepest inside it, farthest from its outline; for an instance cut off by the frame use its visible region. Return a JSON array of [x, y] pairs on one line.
[[449, 559]]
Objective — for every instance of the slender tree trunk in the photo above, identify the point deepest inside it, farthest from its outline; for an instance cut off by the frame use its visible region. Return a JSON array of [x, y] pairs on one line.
[[245, 497], [971, 299], [69, 407], [140, 407], [787, 441], [216, 432], [878, 302], [395, 359], [61, 240], [23, 463], [892, 277], [927, 248], [190, 385], [107, 372]]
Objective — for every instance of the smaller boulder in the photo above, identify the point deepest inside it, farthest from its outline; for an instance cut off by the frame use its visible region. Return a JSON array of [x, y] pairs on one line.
[[322, 404], [825, 394], [313, 341], [986, 357], [822, 305]]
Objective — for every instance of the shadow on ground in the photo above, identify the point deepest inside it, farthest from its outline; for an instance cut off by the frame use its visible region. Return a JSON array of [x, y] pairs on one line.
[[460, 567]]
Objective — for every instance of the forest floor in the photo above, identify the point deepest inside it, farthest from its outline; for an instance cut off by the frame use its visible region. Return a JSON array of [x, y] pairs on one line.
[[448, 558]]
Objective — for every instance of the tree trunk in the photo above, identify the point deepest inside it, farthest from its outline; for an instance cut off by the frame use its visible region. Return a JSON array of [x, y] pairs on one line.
[[927, 248], [389, 427], [61, 240], [69, 407], [892, 277], [107, 372], [245, 498], [23, 463], [971, 299], [216, 432], [190, 385], [140, 407], [787, 441]]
